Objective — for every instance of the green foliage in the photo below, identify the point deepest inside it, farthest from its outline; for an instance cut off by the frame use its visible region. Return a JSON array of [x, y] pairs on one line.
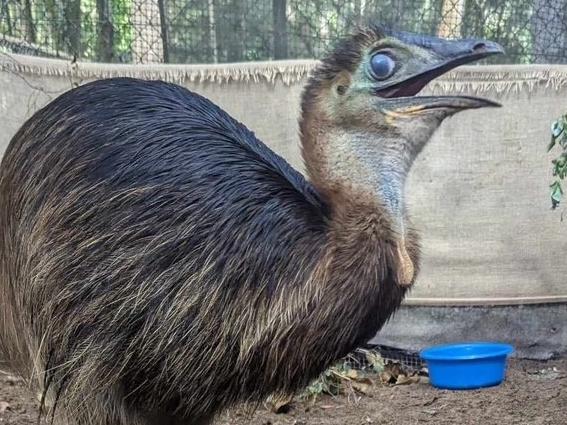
[[124, 32], [207, 31], [327, 383], [342, 376], [559, 140], [120, 15], [315, 26], [88, 28], [503, 22]]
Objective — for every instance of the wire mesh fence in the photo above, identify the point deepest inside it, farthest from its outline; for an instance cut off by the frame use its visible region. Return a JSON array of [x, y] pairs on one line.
[[211, 31]]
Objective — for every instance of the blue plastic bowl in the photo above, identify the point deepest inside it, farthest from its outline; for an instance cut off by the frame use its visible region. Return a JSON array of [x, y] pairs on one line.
[[467, 366]]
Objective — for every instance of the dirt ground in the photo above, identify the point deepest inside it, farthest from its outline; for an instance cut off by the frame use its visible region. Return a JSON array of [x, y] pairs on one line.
[[535, 393]]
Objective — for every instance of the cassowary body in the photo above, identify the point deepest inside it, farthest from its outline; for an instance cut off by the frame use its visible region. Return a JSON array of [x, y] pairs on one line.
[[159, 263]]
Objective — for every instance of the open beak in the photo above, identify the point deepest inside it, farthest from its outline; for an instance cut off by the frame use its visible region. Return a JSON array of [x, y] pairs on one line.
[[419, 104], [451, 54]]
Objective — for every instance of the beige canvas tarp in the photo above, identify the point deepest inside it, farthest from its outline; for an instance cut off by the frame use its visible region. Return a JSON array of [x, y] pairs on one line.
[[479, 192]]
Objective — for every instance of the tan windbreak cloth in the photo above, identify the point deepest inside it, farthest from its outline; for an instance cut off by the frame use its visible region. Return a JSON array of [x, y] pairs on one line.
[[479, 191]]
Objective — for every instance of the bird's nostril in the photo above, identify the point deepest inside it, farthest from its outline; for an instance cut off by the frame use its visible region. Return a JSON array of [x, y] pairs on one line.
[[479, 46]]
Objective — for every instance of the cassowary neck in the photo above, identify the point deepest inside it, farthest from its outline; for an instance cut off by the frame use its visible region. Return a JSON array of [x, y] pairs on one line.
[[355, 167], [362, 179]]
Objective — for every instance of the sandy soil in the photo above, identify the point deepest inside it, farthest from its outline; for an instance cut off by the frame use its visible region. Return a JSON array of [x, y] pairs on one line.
[[535, 393]]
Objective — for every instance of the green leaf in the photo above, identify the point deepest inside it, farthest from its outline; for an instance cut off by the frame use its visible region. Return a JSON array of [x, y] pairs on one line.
[[556, 194], [557, 128], [559, 164]]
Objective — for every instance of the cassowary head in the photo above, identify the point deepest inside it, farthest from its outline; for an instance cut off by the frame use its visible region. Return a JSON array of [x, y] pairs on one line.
[[371, 78], [360, 104]]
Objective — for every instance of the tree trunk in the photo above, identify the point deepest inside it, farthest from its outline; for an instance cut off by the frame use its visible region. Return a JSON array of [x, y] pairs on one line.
[[5, 12], [29, 24], [52, 9], [401, 14], [213, 31], [279, 8], [105, 41], [451, 18], [359, 10], [72, 14], [549, 30], [234, 36], [163, 26]]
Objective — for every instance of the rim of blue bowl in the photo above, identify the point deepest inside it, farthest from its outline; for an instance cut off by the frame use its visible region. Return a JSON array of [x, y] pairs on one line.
[[437, 352]]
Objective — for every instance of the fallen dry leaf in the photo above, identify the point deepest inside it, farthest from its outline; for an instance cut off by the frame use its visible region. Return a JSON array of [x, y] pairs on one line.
[[352, 374], [375, 360], [386, 377], [394, 368], [405, 380], [12, 380], [394, 374], [4, 405], [362, 387]]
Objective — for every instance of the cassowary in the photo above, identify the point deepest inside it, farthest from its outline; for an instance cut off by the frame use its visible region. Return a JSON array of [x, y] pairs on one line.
[[159, 263]]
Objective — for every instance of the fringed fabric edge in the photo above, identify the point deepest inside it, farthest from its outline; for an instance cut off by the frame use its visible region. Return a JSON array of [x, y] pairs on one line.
[[501, 79], [497, 79], [289, 72]]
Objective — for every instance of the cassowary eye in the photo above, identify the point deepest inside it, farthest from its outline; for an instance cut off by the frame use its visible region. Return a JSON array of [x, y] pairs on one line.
[[382, 66]]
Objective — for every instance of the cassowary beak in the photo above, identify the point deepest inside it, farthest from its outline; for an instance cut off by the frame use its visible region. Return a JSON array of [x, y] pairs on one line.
[[447, 54], [420, 104]]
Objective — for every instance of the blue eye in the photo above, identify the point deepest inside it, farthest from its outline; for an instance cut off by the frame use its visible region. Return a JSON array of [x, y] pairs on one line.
[[382, 66]]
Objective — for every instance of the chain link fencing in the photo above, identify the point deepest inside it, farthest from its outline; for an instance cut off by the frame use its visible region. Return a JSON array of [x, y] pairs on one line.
[[220, 31]]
